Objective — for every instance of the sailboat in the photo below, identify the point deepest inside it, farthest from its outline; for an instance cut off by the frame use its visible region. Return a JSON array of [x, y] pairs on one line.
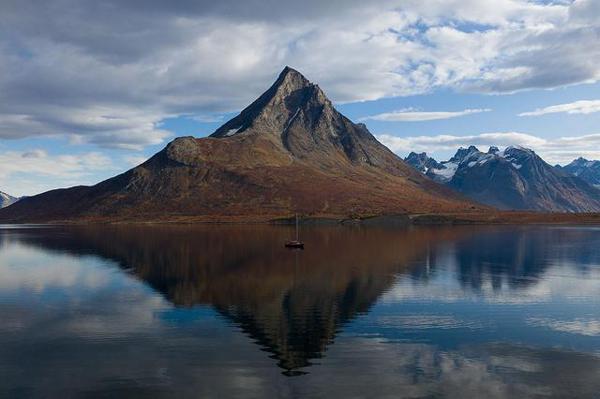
[[295, 243]]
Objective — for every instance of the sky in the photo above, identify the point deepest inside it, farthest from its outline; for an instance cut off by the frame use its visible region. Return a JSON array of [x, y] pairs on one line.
[[89, 89]]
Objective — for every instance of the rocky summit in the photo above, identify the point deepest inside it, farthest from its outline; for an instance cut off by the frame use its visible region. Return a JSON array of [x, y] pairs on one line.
[[585, 170], [422, 162], [514, 179], [289, 151]]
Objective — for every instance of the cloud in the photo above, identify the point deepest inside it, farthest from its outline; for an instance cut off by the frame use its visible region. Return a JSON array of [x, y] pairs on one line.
[[111, 127], [34, 171], [36, 153], [560, 150], [451, 142], [207, 118], [410, 115], [134, 160], [107, 73], [587, 327], [577, 107], [425, 322]]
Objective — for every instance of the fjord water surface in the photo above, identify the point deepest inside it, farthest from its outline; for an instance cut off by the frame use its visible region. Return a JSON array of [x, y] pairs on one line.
[[227, 311]]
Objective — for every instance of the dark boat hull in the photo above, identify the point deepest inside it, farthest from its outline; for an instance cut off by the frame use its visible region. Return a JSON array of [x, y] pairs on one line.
[[294, 244]]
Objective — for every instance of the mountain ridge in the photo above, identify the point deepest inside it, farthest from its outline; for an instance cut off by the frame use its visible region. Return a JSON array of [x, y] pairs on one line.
[[515, 179]]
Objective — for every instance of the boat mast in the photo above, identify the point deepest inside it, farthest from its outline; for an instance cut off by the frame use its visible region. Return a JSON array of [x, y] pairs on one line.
[[297, 227]]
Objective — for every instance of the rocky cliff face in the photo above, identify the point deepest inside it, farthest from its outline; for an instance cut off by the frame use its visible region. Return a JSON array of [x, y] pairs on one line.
[[289, 151], [516, 178]]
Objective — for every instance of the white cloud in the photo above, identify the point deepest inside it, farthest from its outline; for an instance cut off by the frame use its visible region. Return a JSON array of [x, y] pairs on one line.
[[452, 142], [109, 73], [410, 115], [134, 160], [33, 171], [559, 150], [113, 127], [587, 327], [577, 107]]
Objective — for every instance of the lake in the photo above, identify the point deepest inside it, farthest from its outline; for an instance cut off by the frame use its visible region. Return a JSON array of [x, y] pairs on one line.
[[227, 311]]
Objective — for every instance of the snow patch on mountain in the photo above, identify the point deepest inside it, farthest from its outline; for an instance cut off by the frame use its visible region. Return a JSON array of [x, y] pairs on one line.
[[232, 132], [6, 200], [444, 173]]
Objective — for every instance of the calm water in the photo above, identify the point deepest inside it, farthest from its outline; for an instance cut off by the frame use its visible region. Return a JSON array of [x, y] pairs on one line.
[[216, 311]]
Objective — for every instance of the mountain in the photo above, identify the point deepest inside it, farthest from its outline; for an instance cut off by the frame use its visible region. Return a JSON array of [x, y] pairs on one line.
[[585, 170], [421, 162], [444, 171], [6, 200], [289, 151], [516, 178]]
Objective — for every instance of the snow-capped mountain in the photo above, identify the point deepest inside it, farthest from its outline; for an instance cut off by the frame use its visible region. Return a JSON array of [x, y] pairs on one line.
[[444, 172], [515, 178], [585, 170], [6, 200]]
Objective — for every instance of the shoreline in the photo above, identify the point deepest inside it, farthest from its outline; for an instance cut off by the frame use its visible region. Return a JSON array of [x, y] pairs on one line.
[[425, 219]]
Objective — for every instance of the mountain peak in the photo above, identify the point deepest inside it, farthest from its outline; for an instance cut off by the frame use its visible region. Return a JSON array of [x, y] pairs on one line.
[[288, 71], [296, 117], [417, 155], [278, 107], [519, 148], [585, 169], [579, 161], [463, 153], [290, 79], [422, 162]]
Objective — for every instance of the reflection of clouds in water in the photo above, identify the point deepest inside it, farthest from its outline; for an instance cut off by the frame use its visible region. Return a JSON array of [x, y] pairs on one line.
[[481, 371], [558, 281], [587, 327], [424, 322], [514, 363], [225, 364], [96, 299], [124, 314], [26, 268], [100, 316]]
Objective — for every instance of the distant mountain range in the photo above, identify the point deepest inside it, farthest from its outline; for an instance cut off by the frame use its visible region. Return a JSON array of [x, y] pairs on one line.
[[289, 151], [6, 200], [516, 178]]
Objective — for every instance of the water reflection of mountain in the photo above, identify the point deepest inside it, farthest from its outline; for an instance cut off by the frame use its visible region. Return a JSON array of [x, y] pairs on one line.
[[293, 303], [518, 257]]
